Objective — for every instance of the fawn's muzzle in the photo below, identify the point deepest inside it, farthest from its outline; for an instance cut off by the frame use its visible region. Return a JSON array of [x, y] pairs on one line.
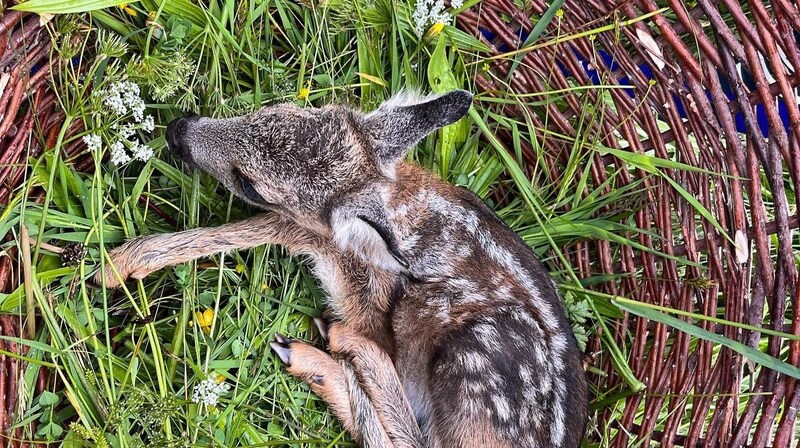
[[176, 133]]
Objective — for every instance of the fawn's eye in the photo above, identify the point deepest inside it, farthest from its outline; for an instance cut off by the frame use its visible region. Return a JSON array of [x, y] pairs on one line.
[[246, 186]]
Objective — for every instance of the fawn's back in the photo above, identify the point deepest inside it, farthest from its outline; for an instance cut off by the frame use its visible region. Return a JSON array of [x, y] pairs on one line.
[[481, 342]]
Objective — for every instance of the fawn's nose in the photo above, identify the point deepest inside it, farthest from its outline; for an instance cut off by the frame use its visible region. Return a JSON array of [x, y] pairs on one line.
[[176, 136]]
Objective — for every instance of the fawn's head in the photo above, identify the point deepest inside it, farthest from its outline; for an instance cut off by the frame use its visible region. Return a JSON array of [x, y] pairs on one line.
[[309, 163]]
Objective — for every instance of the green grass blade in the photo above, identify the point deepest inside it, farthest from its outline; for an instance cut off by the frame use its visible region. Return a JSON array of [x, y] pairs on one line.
[[64, 6], [750, 353]]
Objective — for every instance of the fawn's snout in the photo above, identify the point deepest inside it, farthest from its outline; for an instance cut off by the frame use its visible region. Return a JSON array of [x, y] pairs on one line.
[[176, 133]]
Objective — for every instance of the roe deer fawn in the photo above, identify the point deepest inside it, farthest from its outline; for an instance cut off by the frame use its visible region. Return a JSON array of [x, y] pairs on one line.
[[445, 330]]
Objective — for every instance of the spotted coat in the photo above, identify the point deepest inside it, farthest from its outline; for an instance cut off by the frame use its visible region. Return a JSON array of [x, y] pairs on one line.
[[446, 331]]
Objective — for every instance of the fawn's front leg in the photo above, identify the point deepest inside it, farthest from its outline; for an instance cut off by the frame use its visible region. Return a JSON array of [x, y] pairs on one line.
[[139, 257]]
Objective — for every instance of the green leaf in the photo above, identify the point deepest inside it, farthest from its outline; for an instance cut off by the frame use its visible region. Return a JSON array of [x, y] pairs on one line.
[[750, 353], [651, 164], [48, 398], [699, 207], [181, 8], [64, 6], [464, 41], [766, 331], [51, 430], [442, 80], [537, 30], [13, 300], [237, 348]]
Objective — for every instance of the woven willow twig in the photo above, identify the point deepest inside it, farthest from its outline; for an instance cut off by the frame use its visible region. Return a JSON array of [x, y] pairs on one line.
[[28, 109], [701, 94], [743, 127]]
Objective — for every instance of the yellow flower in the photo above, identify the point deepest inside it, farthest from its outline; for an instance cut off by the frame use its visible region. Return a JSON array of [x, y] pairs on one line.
[[130, 11], [220, 379], [240, 268], [205, 320], [436, 28], [305, 91]]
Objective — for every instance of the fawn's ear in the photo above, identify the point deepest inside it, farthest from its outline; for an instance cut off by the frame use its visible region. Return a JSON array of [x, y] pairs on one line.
[[366, 230], [405, 119]]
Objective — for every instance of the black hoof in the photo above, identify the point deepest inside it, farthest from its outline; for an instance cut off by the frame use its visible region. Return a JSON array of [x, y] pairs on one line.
[[281, 347]]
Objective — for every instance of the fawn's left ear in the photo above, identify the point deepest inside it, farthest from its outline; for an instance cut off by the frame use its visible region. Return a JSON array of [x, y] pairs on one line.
[[405, 119]]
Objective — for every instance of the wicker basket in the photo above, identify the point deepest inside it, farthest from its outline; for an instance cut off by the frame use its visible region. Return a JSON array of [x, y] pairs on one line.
[[30, 119], [720, 82], [725, 84]]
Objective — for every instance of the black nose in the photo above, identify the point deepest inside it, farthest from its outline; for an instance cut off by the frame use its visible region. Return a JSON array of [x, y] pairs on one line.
[[176, 136]]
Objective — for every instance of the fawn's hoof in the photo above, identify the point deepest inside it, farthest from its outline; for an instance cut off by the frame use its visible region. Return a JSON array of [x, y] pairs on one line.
[[322, 328], [281, 346]]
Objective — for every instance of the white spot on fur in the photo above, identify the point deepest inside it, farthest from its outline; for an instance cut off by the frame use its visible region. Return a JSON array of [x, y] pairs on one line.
[[503, 291], [473, 361], [469, 290], [559, 345], [464, 251], [502, 407], [524, 317], [557, 430], [525, 374], [486, 334], [408, 243]]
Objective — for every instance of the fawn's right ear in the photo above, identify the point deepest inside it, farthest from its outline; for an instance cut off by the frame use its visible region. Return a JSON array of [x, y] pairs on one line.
[[405, 119]]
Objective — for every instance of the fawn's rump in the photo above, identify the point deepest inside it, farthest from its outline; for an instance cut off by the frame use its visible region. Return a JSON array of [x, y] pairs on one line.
[[498, 380]]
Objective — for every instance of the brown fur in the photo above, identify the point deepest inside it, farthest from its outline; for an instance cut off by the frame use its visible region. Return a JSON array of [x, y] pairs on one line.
[[447, 332]]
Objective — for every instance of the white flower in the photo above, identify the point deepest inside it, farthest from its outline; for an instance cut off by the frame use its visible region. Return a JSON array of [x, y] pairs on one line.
[[123, 97], [141, 151], [126, 130], [116, 105], [118, 154], [138, 111], [429, 12], [93, 142], [148, 124], [208, 392]]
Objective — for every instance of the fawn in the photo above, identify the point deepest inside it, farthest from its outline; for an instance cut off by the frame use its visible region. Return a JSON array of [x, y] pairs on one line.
[[446, 330]]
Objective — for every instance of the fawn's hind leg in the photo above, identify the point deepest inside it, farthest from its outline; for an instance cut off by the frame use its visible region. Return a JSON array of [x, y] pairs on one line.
[[378, 378], [337, 384]]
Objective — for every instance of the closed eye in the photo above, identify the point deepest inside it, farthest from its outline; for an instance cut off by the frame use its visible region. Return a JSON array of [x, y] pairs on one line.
[[249, 192]]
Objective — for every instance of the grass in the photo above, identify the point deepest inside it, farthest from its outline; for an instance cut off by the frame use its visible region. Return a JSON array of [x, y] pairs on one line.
[[127, 361]]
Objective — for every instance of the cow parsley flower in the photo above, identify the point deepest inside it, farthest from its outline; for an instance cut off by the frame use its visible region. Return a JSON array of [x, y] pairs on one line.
[[94, 142], [141, 151], [118, 154], [430, 12], [138, 111], [121, 104], [123, 97], [208, 391], [125, 131], [148, 124]]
